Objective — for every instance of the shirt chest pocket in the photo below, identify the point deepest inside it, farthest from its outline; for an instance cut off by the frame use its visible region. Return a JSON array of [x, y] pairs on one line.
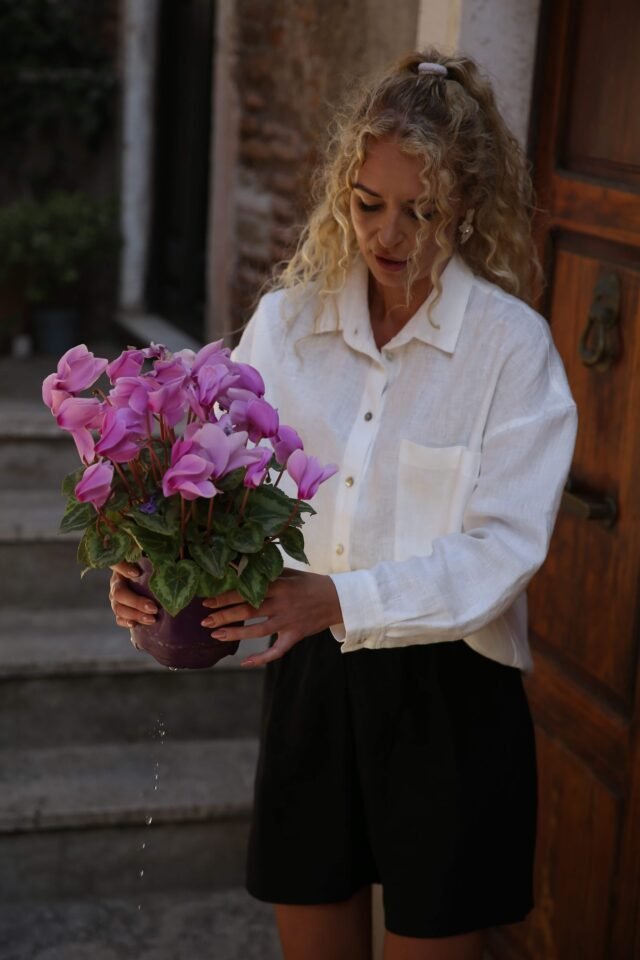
[[434, 485]]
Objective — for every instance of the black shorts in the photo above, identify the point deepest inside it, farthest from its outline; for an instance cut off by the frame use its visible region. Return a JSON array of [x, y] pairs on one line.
[[413, 767]]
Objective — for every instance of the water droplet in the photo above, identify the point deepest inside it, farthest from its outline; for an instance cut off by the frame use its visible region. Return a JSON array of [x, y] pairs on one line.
[[143, 845], [139, 906], [148, 821], [142, 873]]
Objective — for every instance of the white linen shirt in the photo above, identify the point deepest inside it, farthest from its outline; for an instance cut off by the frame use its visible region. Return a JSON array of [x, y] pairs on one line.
[[454, 445]]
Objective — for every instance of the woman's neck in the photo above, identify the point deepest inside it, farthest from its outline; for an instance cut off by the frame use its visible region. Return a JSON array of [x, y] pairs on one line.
[[388, 310]]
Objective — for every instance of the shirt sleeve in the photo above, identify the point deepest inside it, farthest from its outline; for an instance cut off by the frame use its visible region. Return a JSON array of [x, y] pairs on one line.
[[473, 575]]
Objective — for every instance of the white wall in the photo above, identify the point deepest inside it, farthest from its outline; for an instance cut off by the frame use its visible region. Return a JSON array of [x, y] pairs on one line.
[[500, 35]]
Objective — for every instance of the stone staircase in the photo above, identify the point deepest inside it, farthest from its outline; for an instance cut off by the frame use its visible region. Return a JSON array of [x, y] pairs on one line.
[[125, 789]]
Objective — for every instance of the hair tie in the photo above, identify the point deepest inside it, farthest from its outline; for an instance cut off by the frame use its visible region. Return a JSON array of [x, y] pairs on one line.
[[437, 68]]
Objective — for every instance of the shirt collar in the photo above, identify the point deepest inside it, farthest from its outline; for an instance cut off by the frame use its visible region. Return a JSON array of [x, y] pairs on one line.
[[448, 313]]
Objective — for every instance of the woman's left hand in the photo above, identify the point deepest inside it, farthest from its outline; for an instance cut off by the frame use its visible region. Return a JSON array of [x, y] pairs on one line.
[[297, 604]]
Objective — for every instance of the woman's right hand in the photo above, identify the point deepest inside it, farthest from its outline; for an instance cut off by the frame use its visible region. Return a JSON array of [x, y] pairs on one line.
[[129, 607]]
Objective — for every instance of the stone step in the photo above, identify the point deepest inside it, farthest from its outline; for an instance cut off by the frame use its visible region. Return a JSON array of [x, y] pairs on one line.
[[223, 925], [73, 677], [35, 454], [73, 820]]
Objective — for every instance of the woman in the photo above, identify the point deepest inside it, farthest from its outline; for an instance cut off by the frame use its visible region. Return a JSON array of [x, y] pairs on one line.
[[397, 745]]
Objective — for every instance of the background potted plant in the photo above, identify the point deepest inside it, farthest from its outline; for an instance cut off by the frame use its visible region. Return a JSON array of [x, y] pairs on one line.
[[178, 457], [46, 244]]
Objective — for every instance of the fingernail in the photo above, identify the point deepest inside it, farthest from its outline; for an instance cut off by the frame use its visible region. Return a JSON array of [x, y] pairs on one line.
[[148, 620], [247, 663], [149, 608], [219, 634]]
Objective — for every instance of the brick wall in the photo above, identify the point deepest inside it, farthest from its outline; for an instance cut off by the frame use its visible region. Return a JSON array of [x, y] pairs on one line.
[[294, 58]]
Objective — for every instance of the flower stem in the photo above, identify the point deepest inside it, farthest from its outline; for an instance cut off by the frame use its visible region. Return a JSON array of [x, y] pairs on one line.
[[244, 501], [134, 470], [120, 473], [209, 518], [279, 478], [287, 521], [182, 526]]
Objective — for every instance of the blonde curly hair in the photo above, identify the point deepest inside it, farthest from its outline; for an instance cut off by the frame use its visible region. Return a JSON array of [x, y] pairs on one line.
[[454, 127]]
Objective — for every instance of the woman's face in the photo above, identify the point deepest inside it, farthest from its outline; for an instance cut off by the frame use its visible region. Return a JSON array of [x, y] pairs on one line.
[[383, 215]]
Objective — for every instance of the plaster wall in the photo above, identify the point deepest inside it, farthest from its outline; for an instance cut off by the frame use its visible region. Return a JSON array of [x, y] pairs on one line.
[[501, 36]]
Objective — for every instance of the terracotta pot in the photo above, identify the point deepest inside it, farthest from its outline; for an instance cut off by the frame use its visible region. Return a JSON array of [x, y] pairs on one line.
[[179, 642]]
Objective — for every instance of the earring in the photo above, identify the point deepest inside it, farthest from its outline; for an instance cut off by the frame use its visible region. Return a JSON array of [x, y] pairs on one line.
[[466, 228]]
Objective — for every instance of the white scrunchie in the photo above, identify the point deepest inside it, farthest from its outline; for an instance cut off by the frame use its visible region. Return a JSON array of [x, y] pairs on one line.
[[438, 68]]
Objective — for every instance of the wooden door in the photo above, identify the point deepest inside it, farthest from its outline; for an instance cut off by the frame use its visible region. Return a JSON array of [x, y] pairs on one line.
[[177, 267], [583, 606]]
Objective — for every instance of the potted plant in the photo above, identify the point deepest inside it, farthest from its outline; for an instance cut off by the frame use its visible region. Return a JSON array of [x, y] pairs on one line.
[[177, 463], [46, 244]]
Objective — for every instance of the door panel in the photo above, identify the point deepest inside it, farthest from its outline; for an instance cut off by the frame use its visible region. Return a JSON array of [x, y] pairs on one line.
[[586, 558], [583, 607]]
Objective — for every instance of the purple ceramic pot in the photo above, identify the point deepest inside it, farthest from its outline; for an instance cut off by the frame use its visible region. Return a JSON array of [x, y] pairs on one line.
[[179, 642]]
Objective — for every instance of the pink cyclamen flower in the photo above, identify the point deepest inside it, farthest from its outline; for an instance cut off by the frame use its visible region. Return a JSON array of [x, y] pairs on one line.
[[79, 415], [169, 401], [210, 354], [249, 378], [257, 470], [132, 392], [257, 417], [225, 452], [128, 364], [189, 477], [79, 369], [121, 433], [52, 394], [308, 473], [95, 484], [285, 442]]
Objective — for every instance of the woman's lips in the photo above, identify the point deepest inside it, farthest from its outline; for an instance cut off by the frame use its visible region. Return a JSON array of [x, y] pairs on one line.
[[393, 266]]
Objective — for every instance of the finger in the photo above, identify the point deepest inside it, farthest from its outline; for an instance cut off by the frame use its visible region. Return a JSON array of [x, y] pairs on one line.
[[223, 599], [252, 632], [129, 570], [275, 652], [242, 611], [126, 624], [131, 615], [120, 593]]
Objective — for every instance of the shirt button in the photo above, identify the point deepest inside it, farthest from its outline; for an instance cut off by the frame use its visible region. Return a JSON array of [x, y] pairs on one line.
[[388, 355], [349, 481], [339, 549], [368, 415]]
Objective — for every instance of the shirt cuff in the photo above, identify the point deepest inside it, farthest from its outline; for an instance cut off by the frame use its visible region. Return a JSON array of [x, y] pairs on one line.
[[362, 613]]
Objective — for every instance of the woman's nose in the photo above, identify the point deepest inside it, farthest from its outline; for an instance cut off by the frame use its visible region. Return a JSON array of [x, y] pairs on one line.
[[390, 232]]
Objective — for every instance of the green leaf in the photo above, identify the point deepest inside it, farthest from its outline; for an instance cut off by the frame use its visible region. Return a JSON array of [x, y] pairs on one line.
[[223, 522], [232, 480], [105, 549], [175, 584], [209, 586], [270, 508], [253, 584], [71, 480], [77, 516], [214, 557], [134, 553], [270, 561], [83, 553], [293, 543], [248, 538], [119, 500], [165, 525], [155, 545]]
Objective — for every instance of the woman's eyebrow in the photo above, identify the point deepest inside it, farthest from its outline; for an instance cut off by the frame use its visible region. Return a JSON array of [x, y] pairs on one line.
[[361, 186]]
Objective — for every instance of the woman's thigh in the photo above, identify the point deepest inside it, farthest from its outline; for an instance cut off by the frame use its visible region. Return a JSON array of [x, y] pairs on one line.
[[339, 931], [469, 946]]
